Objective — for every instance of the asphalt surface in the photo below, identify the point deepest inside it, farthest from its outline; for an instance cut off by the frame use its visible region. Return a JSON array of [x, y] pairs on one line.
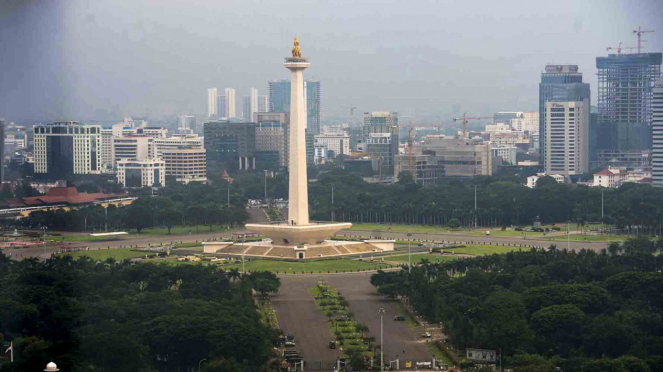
[[298, 314], [474, 239]]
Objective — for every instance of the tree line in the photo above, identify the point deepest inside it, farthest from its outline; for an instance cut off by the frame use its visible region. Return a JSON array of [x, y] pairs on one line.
[[122, 316], [500, 201], [582, 311]]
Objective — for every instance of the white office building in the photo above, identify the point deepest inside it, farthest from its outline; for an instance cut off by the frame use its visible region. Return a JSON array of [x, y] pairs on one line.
[[133, 148], [230, 103], [338, 143], [263, 104], [567, 137], [62, 149], [141, 173], [530, 121], [190, 141], [657, 134], [212, 102], [107, 149], [507, 153]]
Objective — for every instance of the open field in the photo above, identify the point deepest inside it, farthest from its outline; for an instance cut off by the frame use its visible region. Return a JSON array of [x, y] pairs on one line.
[[576, 230], [417, 257], [103, 254], [322, 266]]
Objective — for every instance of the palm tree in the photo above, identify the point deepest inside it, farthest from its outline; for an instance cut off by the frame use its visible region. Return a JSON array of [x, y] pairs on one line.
[[233, 274]]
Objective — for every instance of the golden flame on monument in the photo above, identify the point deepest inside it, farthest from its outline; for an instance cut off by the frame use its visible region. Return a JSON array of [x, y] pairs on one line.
[[296, 53]]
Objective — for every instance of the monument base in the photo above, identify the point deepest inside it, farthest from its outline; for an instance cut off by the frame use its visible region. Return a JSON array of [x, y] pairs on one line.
[[293, 235]]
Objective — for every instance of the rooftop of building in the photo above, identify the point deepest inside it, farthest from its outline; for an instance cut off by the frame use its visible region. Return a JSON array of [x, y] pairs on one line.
[[629, 59]]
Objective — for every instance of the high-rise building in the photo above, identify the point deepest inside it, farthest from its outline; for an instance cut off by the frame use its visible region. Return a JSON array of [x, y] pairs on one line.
[[212, 102], [63, 149], [223, 107], [567, 137], [657, 134], [380, 136], [625, 84], [141, 173], [231, 104], [337, 143], [263, 103], [107, 149], [279, 101], [559, 83], [271, 139], [2, 151], [531, 121], [230, 142], [186, 124], [253, 104]]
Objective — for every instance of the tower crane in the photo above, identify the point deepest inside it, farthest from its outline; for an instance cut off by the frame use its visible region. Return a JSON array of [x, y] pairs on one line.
[[465, 119], [618, 48], [639, 32]]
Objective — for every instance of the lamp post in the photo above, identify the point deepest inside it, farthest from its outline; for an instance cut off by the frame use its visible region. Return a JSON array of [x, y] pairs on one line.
[[568, 236], [409, 255], [202, 360], [381, 312], [266, 186]]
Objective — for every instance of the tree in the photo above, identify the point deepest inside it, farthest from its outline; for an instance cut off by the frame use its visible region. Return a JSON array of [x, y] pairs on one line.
[[170, 216], [453, 223], [137, 216]]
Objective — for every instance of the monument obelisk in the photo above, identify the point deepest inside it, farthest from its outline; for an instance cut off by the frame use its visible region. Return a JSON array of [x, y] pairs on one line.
[[298, 231], [298, 192]]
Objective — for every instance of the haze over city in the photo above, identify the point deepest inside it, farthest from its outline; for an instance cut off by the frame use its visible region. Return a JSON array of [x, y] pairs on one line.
[[101, 60]]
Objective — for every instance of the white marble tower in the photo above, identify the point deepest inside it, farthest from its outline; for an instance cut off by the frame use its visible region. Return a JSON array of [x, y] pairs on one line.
[[298, 192]]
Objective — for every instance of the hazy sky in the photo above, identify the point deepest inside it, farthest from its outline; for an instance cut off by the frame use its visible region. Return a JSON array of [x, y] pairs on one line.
[[99, 59]]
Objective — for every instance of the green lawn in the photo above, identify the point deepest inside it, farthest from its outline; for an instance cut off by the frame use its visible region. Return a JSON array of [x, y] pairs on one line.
[[188, 245], [322, 266], [493, 231], [590, 238], [417, 257], [481, 250], [82, 238], [182, 230], [102, 254]]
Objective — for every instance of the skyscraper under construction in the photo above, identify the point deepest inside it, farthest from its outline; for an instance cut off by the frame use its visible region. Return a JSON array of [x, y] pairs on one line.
[[625, 92]]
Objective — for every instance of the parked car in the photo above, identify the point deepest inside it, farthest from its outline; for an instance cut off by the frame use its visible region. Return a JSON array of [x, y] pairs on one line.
[[332, 344], [399, 318], [290, 344], [426, 335], [290, 337]]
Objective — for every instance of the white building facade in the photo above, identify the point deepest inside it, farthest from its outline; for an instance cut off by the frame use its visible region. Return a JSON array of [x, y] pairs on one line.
[[212, 102], [187, 165], [338, 143], [65, 148], [567, 137], [133, 147], [141, 173], [657, 134], [507, 153]]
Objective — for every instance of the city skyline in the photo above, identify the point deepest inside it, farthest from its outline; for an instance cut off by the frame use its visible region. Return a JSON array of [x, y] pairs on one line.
[[411, 72]]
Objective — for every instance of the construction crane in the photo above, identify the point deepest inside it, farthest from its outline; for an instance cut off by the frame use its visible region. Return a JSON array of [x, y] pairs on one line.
[[352, 109], [465, 119], [639, 32], [618, 48]]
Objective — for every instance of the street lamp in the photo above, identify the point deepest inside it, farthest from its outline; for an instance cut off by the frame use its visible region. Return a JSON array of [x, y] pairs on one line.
[[381, 312], [202, 360], [409, 255], [568, 236]]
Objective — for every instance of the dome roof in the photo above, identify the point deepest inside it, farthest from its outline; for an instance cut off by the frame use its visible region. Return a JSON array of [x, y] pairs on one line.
[[51, 367]]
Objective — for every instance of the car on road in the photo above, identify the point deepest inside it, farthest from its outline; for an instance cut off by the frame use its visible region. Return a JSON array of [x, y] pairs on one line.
[[426, 335], [399, 318], [290, 337], [332, 344], [290, 344]]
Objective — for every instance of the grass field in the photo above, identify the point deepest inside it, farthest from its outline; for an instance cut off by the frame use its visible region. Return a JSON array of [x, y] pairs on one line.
[[188, 245], [103, 254], [323, 266], [417, 257]]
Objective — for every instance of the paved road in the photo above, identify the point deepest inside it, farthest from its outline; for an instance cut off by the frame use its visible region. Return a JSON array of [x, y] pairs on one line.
[[298, 314], [399, 340], [473, 239]]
